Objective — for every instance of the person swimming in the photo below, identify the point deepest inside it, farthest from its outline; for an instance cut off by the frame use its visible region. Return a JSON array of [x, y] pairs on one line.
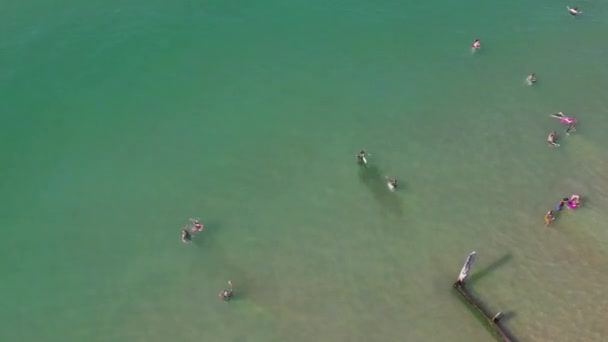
[[549, 217], [476, 44], [361, 157], [197, 226], [573, 10], [227, 294], [551, 139], [561, 204], [391, 183], [574, 202], [186, 237], [531, 78], [563, 118], [571, 128]]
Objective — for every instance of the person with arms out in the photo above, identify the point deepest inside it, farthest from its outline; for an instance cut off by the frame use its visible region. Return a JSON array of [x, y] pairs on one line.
[[563, 118]]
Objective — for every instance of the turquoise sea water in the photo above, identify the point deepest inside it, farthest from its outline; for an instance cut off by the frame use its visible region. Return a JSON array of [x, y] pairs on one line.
[[120, 120]]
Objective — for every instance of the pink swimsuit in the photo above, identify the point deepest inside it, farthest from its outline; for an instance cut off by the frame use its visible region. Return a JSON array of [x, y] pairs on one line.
[[567, 120]]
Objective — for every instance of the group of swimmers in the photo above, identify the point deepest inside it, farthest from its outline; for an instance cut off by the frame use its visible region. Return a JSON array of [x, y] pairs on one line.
[[188, 233], [573, 202], [391, 183], [531, 79], [569, 121]]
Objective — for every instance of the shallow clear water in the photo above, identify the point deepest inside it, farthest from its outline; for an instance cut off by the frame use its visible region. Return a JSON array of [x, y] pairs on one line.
[[121, 120]]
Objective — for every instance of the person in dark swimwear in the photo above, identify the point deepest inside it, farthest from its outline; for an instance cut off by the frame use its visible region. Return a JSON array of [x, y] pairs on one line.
[[570, 128], [186, 237], [197, 226], [227, 294], [561, 204]]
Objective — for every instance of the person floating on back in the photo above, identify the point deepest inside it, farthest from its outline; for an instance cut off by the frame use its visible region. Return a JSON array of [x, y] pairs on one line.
[[197, 226], [573, 10], [476, 44], [551, 139], [361, 157], [226, 294], [563, 118], [549, 217]]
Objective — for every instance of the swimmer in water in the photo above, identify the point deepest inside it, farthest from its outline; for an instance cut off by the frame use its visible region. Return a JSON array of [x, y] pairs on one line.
[[551, 139], [361, 157], [227, 294], [570, 128], [186, 237], [476, 44], [563, 118], [197, 226], [574, 202], [573, 10], [392, 183], [531, 78], [549, 217], [561, 204]]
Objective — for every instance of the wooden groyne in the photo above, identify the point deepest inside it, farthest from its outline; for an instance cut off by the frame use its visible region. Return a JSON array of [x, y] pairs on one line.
[[492, 321]]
